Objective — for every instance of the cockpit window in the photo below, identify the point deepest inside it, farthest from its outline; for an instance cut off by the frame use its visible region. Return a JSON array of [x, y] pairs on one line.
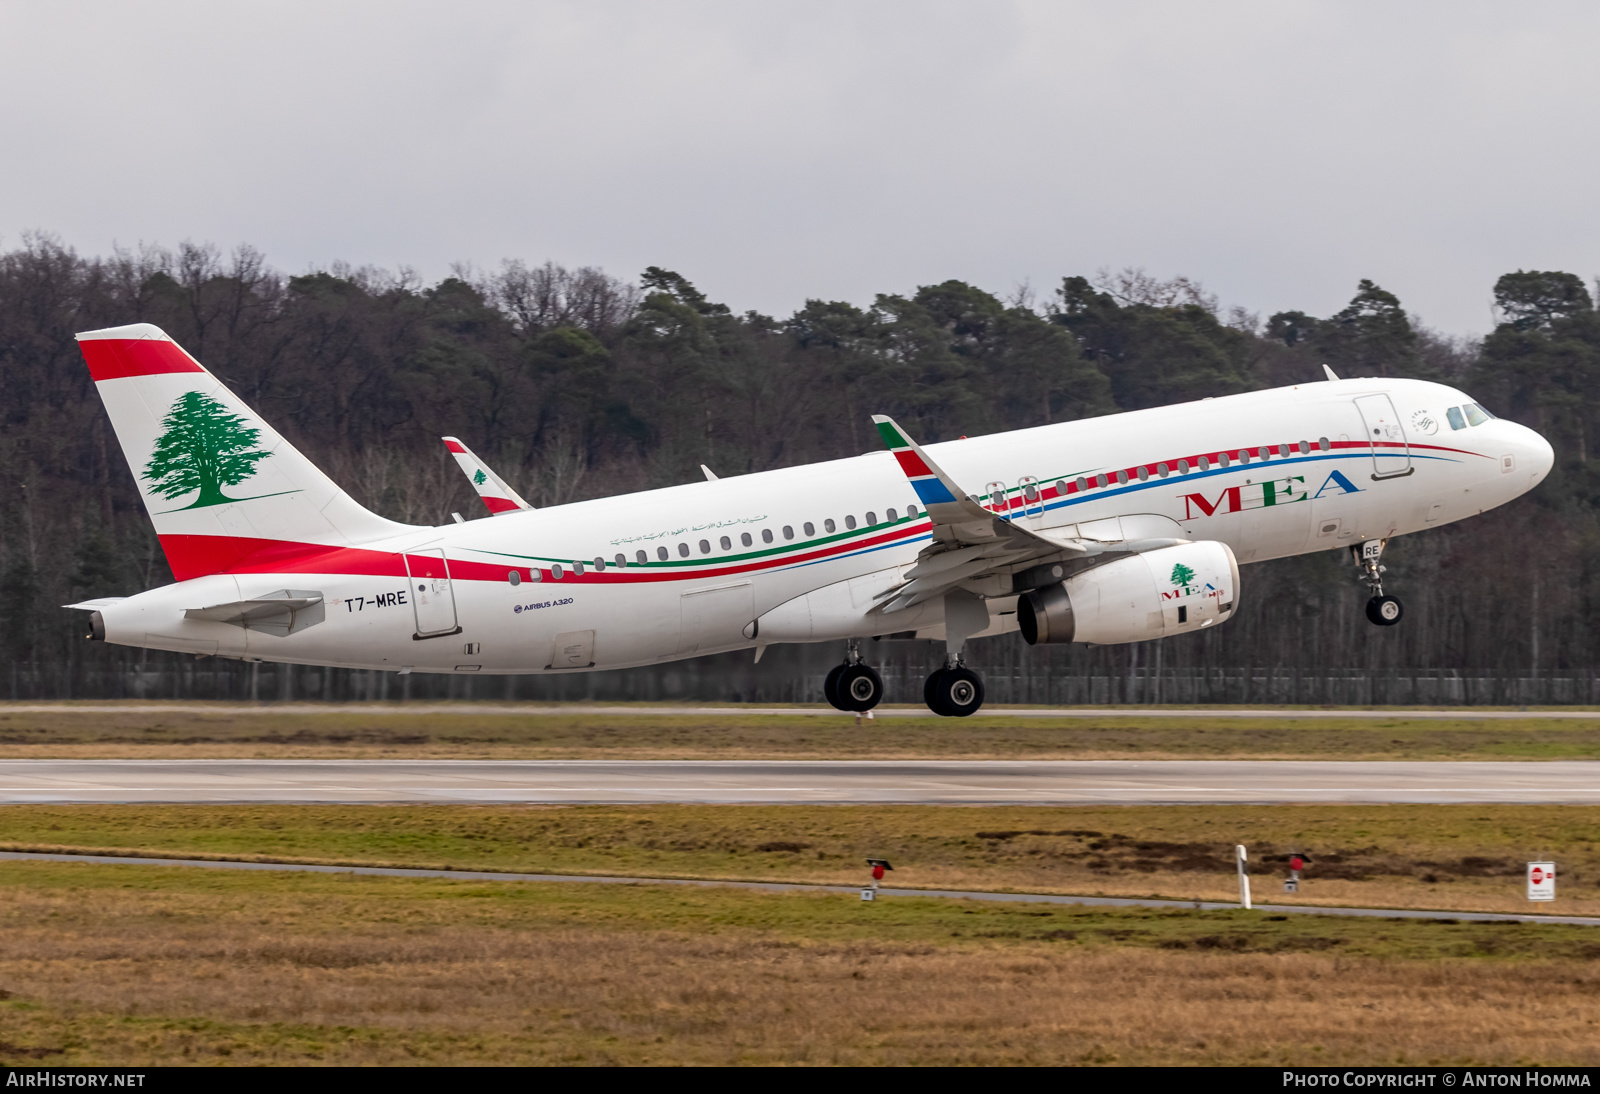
[[1475, 414], [1487, 413], [1456, 419]]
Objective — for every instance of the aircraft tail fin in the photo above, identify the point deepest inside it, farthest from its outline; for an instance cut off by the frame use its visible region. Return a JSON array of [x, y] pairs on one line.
[[220, 484], [494, 491]]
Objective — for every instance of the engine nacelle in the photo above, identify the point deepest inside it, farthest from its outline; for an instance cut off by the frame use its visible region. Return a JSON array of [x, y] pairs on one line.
[[1151, 595]]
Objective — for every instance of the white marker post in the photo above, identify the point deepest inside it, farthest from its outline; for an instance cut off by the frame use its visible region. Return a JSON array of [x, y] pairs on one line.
[[1541, 881], [1241, 857]]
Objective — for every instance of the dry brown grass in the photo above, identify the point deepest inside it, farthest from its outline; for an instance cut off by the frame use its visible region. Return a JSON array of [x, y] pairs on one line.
[[1462, 857], [130, 966], [219, 731]]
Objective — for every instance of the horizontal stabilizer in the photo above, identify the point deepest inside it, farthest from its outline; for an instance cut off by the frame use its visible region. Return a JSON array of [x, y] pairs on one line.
[[96, 604], [281, 613]]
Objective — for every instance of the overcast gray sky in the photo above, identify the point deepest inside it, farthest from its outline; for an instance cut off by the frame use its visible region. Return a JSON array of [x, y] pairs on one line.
[[1276, 151]]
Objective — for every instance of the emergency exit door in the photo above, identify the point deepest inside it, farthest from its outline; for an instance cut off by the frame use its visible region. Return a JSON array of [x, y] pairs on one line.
[[1391, 454], [432, 600]]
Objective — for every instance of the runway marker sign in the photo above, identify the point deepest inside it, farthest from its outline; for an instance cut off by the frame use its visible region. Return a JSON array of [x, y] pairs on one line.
[[1541, 881]]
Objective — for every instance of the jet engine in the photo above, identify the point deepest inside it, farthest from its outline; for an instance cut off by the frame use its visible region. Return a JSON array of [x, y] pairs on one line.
[[1172, 590]]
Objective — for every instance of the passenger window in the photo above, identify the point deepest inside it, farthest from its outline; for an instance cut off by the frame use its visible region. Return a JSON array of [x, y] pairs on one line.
[[514, 577], [1122, 477], [661, 553], [727, 544], [555, 570], [642, 557], [599, 563], [1223, 459], [1101, 480], [1475, 414], [1455, 418], [1061, 489], [766, 535], [1283, 450], [705, 547], [1163, 470], [577, 569], [1083, 483], [810, 529], [829, 526], [1244, 455], [622, 560], [1305, 447], [1324, 444], [745, 539], [788, 532], [1183, 467], [536, 575], [1144, 473], [872, 518], [850, 522], [1264, 453], [890, 516], [1205, 463], [683, 550], [911, 510]]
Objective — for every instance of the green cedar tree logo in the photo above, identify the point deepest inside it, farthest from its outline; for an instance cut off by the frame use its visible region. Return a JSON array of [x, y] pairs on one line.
[[479, 478], [203, 447], [1182, 575]]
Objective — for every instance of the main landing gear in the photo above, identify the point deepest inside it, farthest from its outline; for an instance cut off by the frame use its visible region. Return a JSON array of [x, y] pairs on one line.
[[854, 685], [1382, 610], [954, 691]]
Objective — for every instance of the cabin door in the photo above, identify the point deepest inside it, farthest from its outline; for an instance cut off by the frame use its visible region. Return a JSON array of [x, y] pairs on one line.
[[1391, 455], [432, 599]]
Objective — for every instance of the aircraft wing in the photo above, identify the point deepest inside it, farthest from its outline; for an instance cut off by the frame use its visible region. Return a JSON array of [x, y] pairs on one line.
[[973, 542], [499, 497]]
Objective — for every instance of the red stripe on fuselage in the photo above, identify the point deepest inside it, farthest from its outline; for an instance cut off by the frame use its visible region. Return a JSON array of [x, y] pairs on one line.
[[199, 556], [115, 358]]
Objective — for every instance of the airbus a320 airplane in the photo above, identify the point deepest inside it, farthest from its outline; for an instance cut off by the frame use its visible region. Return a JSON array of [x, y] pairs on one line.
[[1118, 529]]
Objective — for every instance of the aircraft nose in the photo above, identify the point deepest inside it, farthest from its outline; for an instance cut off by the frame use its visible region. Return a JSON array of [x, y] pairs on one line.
[[1537, 455]]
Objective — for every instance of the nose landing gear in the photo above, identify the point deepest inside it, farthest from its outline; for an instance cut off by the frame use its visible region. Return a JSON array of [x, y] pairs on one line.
[[1382, 610], [853, 686]]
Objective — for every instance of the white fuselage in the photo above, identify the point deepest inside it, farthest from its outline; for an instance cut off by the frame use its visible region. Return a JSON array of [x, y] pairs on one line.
[[709, 592]]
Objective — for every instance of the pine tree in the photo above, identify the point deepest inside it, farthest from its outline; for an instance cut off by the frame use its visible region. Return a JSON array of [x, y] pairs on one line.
[[204, 448]]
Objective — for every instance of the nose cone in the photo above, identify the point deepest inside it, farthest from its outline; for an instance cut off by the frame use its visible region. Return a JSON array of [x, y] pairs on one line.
[[1538, 457]]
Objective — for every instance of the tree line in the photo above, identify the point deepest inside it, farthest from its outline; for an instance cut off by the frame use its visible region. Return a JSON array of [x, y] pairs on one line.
[[574, 383]]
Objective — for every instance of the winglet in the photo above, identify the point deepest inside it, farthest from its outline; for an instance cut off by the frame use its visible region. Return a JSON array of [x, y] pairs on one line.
[[499, 497], [1330, 372], [946, 502]]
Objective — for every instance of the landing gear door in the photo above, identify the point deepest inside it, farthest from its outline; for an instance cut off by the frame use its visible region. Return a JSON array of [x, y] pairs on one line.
[[432, 599], [1391, 454]]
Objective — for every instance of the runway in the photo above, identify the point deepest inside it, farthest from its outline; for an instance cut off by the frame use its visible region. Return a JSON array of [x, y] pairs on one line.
[[937, 782]]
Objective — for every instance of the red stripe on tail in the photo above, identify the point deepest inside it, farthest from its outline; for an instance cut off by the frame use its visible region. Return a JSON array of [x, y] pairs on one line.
[[115, 358]]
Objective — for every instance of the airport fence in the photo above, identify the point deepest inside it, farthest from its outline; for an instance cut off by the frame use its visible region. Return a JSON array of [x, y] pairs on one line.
[[794, 674]]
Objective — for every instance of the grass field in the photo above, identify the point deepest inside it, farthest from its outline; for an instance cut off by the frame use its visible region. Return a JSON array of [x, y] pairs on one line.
[[1461, 857], [84, 731], [150, 965]]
